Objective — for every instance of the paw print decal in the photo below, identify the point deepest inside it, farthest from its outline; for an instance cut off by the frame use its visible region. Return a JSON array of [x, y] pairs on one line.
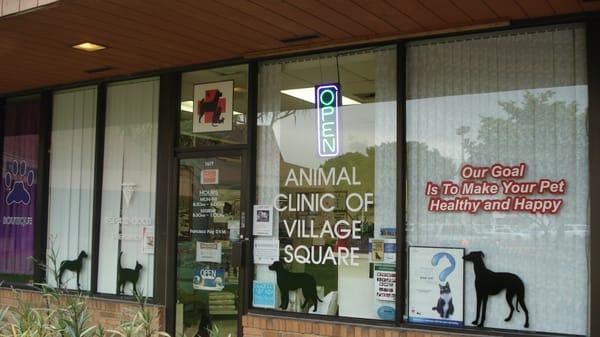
[[18, 180]]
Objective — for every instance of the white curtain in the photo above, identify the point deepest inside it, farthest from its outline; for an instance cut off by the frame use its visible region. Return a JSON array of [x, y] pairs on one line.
[[385, 129], [506, 98], [130, 151], [268, 154], [72, 181]]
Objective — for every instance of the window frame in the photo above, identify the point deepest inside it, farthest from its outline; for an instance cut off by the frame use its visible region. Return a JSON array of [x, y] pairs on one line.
[[98, 188], [592, 28], [93, 177], [592, 33], [400, 55], [169, 99], [41, 208]]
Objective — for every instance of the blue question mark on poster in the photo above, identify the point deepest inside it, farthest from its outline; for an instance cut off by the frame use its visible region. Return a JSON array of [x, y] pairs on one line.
[[448, 270]]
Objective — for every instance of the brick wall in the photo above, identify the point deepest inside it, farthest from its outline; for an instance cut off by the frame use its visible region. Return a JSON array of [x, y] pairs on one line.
[[107, 312], [267, 326]]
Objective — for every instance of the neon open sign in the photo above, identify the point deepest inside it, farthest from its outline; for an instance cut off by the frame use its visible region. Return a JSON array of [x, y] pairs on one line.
[[327, 98]]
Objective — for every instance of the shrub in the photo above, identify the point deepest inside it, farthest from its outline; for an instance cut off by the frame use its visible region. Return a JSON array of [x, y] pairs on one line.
[[65, 314]]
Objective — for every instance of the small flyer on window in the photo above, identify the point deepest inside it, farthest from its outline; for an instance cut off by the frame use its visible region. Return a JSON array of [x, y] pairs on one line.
[[385, 282], [208, 252], [435, 288], [233, 225], [207, 278], [263, 220], [263, 294], [148, 239], [382, 251], [377, 251], [266, 250], [209, 177]]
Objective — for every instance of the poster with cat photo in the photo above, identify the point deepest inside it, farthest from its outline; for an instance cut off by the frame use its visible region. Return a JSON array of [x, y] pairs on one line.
[[436, 286]]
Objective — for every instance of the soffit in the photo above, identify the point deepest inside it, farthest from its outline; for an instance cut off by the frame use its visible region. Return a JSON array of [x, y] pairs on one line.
[[145, 35]]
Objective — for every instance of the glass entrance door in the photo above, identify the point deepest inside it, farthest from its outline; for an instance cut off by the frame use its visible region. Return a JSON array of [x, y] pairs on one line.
[[209, 209]]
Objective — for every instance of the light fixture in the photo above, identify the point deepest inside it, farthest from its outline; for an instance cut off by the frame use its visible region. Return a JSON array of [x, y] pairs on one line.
[[89, 47], [308, 95], [189, 107]]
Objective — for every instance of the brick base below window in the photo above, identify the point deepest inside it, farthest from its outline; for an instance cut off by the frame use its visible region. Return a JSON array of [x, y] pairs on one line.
[[107, 312], [267, 326]]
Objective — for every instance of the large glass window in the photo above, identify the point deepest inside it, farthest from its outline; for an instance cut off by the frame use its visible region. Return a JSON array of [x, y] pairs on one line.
[[70, 203], [325, 217], [129, 188], [498, 166], [19, 188], [214, 106]]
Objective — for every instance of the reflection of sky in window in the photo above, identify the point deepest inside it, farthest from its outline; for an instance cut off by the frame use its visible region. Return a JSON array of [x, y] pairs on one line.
[[296, 134], [434, 121]]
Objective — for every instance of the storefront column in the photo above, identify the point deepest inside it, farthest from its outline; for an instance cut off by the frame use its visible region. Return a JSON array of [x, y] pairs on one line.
[[166, 188], [593, 46]]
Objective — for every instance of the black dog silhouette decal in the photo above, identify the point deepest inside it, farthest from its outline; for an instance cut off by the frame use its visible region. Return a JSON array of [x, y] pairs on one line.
[[287, 281], [125, 275], [489, 283], [72, 265], [211, 103]]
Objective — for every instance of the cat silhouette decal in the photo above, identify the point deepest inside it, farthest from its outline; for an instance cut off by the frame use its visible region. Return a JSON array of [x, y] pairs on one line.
[[127, 275]]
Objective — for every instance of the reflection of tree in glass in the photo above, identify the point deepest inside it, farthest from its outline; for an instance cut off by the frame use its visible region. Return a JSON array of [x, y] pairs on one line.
[[366, 173], [547, 134], [534, 129], [425, 164], [365, 169]]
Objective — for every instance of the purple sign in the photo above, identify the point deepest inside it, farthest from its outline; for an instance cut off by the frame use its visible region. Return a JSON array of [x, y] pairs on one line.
[[19, 186]]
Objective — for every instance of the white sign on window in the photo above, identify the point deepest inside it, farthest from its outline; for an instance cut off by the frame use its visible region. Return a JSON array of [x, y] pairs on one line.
[[266, 250], [263, 220], [208, 252]]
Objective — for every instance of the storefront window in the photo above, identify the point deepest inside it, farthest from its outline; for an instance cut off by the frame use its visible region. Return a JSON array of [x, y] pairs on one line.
[[19, 188], [129, 188], [325, 219], [70, 202], [497, 169], [214, 106]]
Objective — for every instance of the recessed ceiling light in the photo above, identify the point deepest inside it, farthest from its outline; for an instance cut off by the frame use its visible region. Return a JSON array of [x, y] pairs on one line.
[[89, 47], [308, 95]]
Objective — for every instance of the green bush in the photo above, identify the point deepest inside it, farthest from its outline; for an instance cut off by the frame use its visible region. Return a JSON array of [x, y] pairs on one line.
[[65, 314]]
